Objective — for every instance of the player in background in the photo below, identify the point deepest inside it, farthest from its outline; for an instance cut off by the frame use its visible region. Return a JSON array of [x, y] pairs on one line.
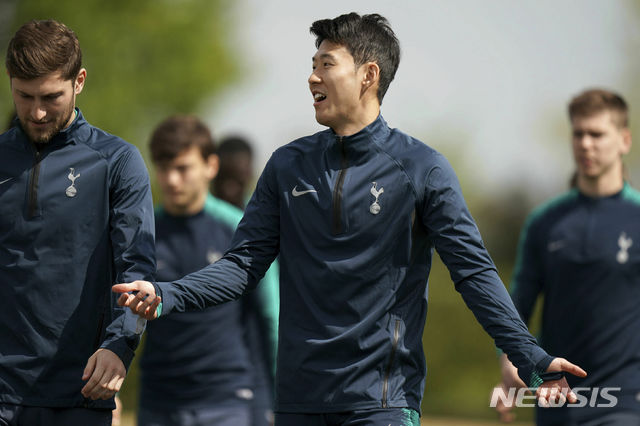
[[195, 367], [581, 252]]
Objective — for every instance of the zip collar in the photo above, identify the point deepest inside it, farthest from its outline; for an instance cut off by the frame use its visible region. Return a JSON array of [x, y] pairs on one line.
[[77, 131], [362, 142]]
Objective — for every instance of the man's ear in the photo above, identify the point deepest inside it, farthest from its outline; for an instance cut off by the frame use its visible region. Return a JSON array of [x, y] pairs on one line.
[[78, 84], [370, 77], [626, 140]]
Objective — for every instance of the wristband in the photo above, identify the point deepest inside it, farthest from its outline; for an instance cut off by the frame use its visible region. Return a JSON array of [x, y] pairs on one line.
[[552, 375]]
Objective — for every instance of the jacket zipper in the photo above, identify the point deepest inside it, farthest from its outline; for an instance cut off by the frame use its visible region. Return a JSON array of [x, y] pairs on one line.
[[394, 348], [337, 189], [33, 187]]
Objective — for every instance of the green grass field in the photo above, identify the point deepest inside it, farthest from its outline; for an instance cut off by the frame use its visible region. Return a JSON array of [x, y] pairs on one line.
[[128, 419]]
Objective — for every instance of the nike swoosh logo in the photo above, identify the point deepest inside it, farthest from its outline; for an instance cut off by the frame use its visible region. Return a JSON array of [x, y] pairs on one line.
[[5, 181], [297, 193]]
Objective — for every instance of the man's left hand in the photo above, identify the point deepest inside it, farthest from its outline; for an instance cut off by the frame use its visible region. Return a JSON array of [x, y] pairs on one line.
[[553, 393], [105, 373]]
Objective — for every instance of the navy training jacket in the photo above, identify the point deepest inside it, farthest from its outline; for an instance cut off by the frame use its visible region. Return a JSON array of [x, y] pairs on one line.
[[75, 218], [194, 359], [355, 220]]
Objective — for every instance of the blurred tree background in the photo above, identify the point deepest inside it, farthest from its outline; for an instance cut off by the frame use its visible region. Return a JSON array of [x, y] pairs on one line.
[[150, 58], [145, 59]]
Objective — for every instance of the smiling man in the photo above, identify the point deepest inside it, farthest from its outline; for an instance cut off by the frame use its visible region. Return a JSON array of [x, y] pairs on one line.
[[75, 216], [354, 213]]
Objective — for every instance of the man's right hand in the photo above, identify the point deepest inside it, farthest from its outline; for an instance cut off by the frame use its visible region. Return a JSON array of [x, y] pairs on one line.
[[510, 379], [142, 300]]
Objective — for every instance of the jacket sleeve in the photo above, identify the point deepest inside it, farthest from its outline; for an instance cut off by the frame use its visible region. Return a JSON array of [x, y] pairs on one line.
[[526, 283], [254, 246], [132, 232], [457, 239]]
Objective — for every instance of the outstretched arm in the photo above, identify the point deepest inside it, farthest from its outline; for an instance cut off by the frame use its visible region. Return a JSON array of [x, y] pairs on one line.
[[254, 246], [456, 238]]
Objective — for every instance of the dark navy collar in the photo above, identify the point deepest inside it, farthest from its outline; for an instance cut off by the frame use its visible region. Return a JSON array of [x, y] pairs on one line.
[[361, 142], [77, 131]]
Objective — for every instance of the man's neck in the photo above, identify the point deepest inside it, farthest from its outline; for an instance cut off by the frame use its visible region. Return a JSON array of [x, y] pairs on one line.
[[189, 210], [73, 117], [600, 187], [367, 117]]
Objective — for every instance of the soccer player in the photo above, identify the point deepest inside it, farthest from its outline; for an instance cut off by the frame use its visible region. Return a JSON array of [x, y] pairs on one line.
[[581, 252], [195, 367], [354, 212], [76, 216]]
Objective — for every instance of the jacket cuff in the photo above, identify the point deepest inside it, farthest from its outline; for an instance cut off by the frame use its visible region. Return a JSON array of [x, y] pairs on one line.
[[168, 301], [531, 376], [121, 348]]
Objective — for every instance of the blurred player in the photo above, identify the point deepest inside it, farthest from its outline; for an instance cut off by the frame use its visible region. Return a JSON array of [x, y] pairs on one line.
[[581, 252], [236, 171], [195, 367]]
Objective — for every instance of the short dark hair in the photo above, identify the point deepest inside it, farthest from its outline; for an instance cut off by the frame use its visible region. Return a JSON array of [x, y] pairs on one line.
[[595, 101], [40, 48], [234, 144], [230, 147], [177, 134], [367, 38]]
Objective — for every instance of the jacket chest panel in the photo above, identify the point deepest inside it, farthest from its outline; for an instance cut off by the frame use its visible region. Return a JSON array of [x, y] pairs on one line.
[[358, 204], [591, 244], [180, 251], [66, 187]]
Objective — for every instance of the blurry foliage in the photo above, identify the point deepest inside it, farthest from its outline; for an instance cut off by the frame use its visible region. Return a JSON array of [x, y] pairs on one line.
[[145, 59]]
